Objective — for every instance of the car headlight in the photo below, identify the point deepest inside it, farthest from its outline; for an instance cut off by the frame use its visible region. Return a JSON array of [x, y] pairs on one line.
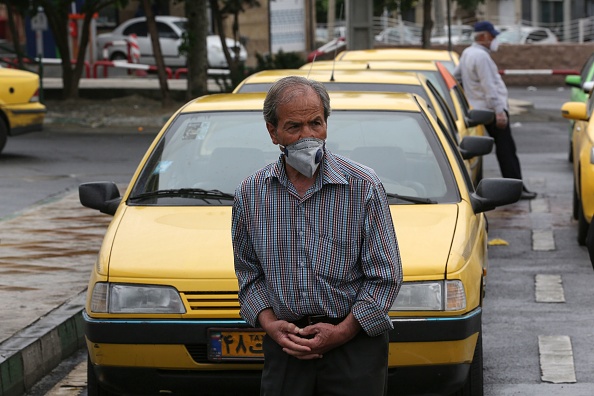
[[430, 296], [127, 298]]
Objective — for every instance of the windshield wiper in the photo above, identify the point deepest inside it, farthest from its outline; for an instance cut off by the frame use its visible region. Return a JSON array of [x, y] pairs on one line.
[[412, 199], [185, 192]]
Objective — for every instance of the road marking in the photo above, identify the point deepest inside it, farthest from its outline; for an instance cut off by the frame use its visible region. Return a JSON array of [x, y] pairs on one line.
[[549, 289], [556, 359], [543, 240]]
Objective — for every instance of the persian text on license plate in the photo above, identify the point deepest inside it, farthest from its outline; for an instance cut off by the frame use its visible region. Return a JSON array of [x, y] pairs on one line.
[[235, 344]]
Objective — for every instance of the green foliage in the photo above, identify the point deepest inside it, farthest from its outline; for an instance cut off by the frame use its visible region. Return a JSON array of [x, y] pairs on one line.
[[282, 60]]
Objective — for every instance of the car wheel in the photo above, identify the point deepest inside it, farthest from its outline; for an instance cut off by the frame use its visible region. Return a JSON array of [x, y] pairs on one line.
[[93, 386], [473, 386], [3, 134], [118, 56], [583, 225]]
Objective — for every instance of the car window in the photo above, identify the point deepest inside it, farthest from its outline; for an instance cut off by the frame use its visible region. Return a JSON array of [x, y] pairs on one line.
[[217, 150], [536, 36], [586, 68], [451, 122], [165, 31], [137, 28]]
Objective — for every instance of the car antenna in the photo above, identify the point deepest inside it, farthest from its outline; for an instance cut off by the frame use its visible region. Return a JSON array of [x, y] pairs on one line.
[[311, 65], [336, 47]]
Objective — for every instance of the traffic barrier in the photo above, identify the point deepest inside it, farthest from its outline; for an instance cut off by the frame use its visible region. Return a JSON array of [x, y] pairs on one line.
[[539, 72], [133, 49], [125, 65], [209, 72], [12, 63]]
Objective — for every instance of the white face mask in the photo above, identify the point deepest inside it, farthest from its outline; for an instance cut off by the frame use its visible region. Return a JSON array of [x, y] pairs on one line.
[[494, 46], [304, 155]]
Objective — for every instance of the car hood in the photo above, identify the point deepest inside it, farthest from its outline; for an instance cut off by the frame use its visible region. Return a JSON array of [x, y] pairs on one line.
[[195, 242], [22, 85]]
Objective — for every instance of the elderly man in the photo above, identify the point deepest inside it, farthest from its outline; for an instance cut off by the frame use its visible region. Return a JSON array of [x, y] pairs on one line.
[[316, 256], [485, 89]]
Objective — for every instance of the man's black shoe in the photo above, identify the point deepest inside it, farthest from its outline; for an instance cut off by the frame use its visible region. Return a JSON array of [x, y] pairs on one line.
[[527, 194]]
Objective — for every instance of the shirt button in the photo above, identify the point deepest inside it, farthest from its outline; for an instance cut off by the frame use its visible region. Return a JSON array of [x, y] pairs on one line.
[[302, 264], [304, 294]]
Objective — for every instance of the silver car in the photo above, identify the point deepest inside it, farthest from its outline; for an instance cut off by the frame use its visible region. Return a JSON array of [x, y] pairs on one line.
[[171, 29]]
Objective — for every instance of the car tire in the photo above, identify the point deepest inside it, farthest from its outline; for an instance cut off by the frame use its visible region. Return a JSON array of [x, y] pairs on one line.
[[118, 56], [473, 386], [576, 202], [93, 386], [583, 226], [3, 134]]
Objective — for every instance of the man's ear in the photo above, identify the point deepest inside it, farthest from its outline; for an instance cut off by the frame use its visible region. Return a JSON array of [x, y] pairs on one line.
[[272, 132]]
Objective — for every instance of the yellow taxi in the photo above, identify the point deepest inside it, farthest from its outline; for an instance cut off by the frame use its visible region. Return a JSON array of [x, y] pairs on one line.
[[469, 122], [449, 58], [20, 109], [162, 311], [582, 149], [385, 80]]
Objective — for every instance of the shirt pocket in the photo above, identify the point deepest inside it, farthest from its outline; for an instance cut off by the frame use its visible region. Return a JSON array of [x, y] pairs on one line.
[[336, 259]]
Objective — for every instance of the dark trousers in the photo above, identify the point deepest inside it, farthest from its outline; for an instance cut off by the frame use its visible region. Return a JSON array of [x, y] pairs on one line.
[[359, 367], [505, 149]]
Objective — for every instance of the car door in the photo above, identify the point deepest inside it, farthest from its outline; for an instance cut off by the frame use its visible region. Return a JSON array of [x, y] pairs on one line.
[[144, 43], [170, 42]]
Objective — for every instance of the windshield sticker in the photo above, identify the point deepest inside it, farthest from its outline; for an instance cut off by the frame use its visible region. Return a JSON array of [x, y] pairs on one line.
[[196, 130], [162, 167]]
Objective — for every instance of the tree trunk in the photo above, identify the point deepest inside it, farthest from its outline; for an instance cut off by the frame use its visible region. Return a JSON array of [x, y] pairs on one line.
[[427, 23], [196, 12], [15, 35], [152, 30]]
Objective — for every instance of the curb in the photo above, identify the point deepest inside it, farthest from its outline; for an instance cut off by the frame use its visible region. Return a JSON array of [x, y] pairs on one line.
[[36, 350]]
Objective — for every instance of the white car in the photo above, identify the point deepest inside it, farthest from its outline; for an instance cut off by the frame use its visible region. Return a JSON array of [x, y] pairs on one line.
[[461, 34], [171, 29], [398, 35], [526, 35]]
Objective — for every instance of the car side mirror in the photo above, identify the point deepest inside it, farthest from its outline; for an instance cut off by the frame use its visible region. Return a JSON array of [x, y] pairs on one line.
[[574, 81], [491, 193], [479, 117], [474, 146], [575, 111], [103, 196]]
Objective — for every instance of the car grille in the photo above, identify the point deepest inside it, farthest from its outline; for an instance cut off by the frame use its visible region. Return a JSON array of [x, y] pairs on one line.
[[224, 304], [198, 352]]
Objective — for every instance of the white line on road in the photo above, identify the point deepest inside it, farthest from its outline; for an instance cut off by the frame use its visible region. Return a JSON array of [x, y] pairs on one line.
[[556, 359], [549, 289]]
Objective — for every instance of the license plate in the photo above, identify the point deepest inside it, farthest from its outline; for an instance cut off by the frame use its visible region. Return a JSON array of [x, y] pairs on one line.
[[235, 344]]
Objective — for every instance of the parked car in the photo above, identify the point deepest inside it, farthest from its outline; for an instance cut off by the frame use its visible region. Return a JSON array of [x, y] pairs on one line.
[[398, 35], [20, 109], [435, 72], [171, 30], [389, 81], [162, 309], [449, 59], [461, 34], [579, 92], [583, 163], [527, 35]]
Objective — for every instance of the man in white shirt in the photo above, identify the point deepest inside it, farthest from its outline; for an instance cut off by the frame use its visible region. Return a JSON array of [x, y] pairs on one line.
[[485, 89]]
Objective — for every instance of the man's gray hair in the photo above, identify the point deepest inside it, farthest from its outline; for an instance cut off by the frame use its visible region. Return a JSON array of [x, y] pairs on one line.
[[285, 89]]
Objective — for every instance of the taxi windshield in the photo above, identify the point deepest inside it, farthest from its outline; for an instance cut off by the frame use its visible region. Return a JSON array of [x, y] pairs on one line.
[[202, 157]]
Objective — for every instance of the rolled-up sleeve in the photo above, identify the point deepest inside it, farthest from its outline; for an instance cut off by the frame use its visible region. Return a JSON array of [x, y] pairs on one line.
[[381, 264]]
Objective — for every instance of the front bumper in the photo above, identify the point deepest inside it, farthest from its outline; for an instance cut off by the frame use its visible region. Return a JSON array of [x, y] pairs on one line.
[[427, 355]]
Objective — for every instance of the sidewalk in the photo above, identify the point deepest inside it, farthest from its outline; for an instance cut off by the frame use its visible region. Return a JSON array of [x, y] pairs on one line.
[[46, 252], [45, 256]]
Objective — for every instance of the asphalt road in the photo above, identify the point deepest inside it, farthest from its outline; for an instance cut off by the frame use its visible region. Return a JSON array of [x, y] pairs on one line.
[[532, 346]]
